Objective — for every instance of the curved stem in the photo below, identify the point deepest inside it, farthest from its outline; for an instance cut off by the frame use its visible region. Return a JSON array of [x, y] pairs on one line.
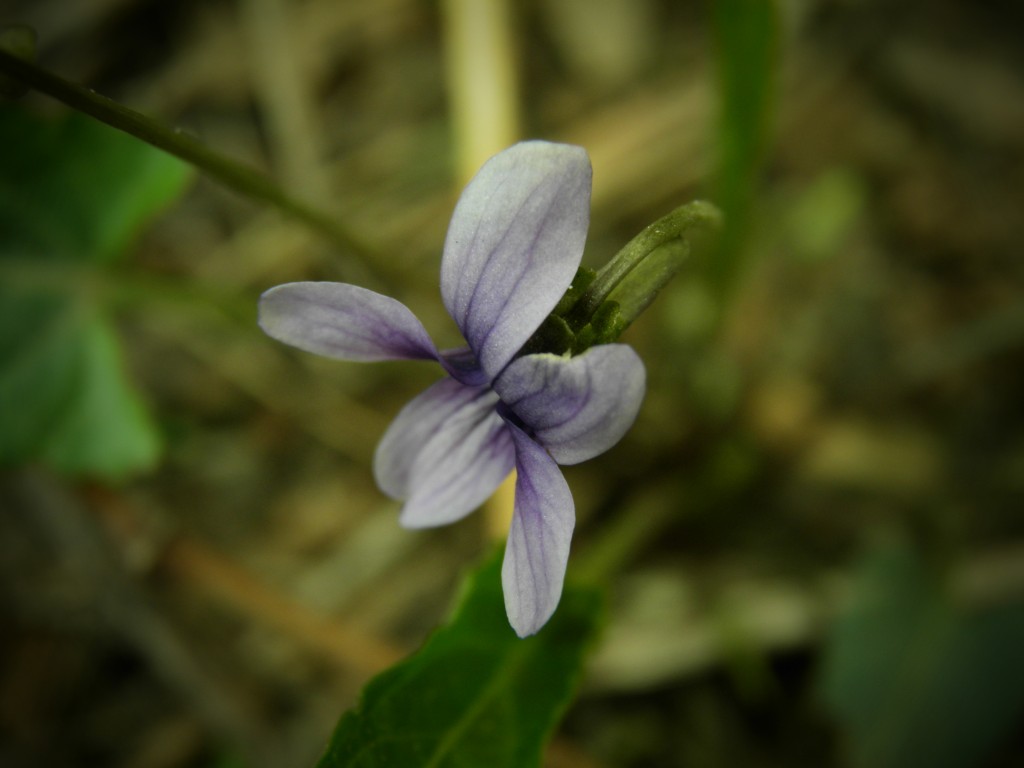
[[239, 177]]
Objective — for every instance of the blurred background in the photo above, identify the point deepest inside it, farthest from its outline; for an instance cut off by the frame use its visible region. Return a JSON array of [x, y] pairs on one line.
[[812, 537]]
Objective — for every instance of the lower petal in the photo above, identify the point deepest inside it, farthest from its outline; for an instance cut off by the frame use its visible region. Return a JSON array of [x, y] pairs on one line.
[[447, 462], [538, 542], [576, 407], [414, 426]]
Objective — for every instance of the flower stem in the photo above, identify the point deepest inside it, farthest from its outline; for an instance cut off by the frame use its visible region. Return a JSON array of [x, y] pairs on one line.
[[481, 67], [237, 176], [646, 263], [481, 72]]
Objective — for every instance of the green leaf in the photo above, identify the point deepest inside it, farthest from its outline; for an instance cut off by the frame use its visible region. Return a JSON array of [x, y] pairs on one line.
[[914, 678], [746, 34], [475, 694], [105, 428], [73, 193]]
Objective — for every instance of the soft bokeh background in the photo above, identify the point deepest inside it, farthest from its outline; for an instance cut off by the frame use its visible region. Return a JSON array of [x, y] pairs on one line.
[[854, 396]]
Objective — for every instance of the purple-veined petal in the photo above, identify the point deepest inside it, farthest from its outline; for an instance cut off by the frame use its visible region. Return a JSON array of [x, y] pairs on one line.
[[412, 429], [575, 407], [538, 541], [461, 364], [514, 244], [344, 321], [445, 453]]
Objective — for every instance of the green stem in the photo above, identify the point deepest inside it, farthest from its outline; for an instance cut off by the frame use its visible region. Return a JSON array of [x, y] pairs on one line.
[[232, 174], [679, 225]]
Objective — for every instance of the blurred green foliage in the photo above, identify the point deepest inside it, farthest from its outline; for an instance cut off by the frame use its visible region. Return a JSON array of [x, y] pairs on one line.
[[73, 193], [916, 679]]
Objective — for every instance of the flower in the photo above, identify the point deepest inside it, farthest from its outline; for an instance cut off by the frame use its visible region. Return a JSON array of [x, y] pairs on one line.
[[513, 246]]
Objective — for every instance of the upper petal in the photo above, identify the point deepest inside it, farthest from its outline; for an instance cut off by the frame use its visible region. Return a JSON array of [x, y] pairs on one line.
[[576, 407], [343, 321], [514, 244], [538, 541], [445, 453]]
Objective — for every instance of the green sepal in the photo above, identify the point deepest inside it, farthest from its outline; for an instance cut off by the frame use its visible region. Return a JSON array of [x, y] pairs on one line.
[[584, 277], [554, 336]]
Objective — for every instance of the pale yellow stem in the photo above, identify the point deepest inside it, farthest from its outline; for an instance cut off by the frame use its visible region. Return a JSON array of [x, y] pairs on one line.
[[483, 90], [481, 69], [498, 509]]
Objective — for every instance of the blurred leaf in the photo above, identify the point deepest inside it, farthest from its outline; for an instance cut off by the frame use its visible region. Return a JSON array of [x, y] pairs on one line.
[[823, 214], [745, 38], [72, 195], [913, 679], [475, 694], [104, 426]]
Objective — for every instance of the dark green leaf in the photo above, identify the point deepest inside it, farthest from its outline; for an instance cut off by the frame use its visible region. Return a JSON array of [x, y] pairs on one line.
[[916, 680], [72, 195], [745, 38], [475, 695]]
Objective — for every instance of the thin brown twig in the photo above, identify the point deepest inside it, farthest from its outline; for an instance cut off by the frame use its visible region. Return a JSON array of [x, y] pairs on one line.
[[216, 574]]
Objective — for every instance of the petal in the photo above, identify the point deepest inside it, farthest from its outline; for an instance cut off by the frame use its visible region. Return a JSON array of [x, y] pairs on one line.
[[461, 364], [576, 407], [513, 246], [412, 429], [538, 542], [445, 453], [343, 321]]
